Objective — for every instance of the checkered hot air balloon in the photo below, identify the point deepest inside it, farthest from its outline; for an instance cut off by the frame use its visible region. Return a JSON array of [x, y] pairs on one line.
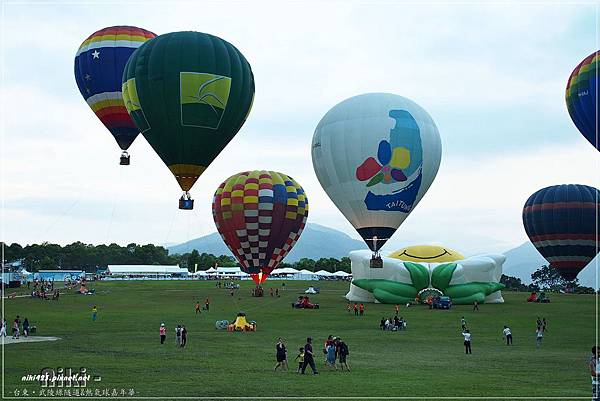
[[562, 222], [582, 98], [260, 216], [99, 65]]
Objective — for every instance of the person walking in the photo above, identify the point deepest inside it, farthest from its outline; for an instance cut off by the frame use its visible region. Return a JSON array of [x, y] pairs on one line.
[[206, 304], [309, 357], [3, 329], [281, 354], [331, 353], [342, 351], [26, 328], [94, 313], [163, 333], [349, 307], [178, 335], [463, 323], [544, 324], [594, 366], [184, 334], [467, 336], [507, 335], [475, 305], [300, 359], [539, 336], [198, 307]]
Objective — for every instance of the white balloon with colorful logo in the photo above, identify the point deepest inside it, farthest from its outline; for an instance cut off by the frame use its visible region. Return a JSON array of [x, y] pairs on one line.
[[376, 155]]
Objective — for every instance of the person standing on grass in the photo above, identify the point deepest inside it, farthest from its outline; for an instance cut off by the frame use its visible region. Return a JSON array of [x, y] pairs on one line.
[[281, 354], [467, 336], [463, 323], [475, 305], [355, 309], [539, 336], [342, 351], [206, 304], [26, 327], [348, 307], [178, 335], [330, 350], [362, 309], [544, 324], [184, 334], [507, 334], [309, 357], [300, 358], [198, 307], [594, 366], [397, 309], [15, 328], [94, 313], [3, 329], [163, 333]]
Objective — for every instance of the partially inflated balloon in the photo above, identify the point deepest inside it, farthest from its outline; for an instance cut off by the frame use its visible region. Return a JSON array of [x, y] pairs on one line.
[[582, 98], [562, 222], [99, 66], [189, 93], [376, 155], [260, 216]]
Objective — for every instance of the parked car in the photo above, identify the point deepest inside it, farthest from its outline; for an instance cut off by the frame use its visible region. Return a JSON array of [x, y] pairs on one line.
[[442, 303]]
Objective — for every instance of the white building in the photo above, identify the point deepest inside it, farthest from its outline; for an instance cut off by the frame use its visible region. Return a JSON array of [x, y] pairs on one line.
[[150, 271]]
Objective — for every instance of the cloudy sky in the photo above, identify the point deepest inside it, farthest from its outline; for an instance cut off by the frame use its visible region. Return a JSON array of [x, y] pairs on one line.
[[491, 76]]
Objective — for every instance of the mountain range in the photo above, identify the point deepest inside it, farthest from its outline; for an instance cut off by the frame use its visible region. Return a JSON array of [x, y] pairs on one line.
[[318, 241]]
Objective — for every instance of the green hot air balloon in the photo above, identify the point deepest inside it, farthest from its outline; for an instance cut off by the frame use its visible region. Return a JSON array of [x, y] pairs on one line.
[[188, 93]]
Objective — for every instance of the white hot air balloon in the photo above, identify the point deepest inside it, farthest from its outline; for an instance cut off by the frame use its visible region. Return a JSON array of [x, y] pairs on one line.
[[376, 155]]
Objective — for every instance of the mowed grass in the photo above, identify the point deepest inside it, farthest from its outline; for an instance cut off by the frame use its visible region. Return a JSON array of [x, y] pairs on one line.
[[428, 359]]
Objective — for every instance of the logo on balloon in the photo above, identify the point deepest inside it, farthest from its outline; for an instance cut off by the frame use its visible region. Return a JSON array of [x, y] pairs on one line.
[[203, 99], [397, 172]]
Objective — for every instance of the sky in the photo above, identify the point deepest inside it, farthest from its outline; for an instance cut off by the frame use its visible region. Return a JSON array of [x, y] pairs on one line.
[[492, 76]]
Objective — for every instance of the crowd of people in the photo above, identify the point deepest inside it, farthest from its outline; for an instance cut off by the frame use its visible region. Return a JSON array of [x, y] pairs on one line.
[[17, 328], [334, 349], [393, 324]]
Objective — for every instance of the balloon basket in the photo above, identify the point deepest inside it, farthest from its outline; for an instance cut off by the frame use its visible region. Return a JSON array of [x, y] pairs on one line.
[[376, 262], [124, 160], [186, 204]]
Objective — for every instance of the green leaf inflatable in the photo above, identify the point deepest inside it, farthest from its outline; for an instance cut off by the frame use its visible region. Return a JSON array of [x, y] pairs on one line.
[[189, 93]]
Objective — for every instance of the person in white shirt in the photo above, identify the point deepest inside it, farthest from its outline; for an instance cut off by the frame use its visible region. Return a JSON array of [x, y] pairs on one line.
[[539, 336], [508, 335], [595, 372], [463, 323], [467, 336], [3, 330]]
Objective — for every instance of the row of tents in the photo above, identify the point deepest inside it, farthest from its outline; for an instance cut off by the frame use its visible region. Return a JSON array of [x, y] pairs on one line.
[[282, 273]]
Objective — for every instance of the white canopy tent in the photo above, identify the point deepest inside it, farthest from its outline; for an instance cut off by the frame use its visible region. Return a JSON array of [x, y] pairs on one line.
[[147, 270], [323, 273], [341, 274]]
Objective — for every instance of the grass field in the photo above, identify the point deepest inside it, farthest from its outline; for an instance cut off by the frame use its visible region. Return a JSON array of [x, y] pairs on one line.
[[428, 359]]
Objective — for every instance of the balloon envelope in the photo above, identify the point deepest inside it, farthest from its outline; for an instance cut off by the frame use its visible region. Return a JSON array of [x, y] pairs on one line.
[[189, 93], [99, 65], [582, 98], [260, 216], [562, 223], [376, 155]]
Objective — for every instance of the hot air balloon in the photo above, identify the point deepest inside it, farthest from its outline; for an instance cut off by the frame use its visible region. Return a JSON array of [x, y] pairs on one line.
[[581, 96], [376, 155], [99, 65], [260, 216], [562, 222], [189, 93]]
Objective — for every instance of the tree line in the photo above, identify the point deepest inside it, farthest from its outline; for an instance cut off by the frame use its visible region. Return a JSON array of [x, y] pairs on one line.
[[88, 257]]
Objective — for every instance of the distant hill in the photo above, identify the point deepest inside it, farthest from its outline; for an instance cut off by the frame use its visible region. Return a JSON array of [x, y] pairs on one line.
[[315, 242], [523, 260]]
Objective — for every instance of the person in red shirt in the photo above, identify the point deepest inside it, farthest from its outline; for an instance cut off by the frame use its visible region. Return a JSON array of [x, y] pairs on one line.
[[356, 309], [206, 304], [197, 307], [362, 309]]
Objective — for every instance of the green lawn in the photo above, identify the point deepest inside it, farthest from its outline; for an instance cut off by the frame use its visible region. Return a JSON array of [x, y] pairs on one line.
[[123, 347]]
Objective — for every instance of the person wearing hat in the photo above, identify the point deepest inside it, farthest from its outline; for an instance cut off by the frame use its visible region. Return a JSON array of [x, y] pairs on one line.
[[163, 333], [309, 358]]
